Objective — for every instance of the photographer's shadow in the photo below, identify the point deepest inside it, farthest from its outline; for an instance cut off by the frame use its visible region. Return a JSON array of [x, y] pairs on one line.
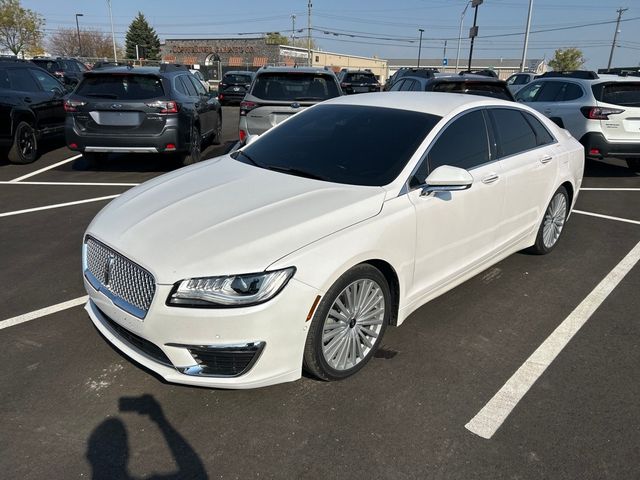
[[108, 450]]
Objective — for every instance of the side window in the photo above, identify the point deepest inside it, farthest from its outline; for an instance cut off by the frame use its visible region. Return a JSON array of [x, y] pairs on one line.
[[191, 91], [522, 79], [571, 92], [513, 132], [542, 134], [529, 93], [197, 85], [512, 79], [463, 144], [180, 86], [551, 92], [22, 81], [46, 81], [397, 86]]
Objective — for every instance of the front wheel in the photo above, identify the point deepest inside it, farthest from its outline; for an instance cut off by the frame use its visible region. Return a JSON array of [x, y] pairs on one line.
[[634, 164], [348, 325], [553, 223], [195, 150]]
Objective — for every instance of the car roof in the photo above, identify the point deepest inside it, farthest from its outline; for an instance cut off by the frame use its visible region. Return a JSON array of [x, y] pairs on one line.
[[602, 78], [127, 69], [239, 72], [448, 78], [294, 70], [434, 103]]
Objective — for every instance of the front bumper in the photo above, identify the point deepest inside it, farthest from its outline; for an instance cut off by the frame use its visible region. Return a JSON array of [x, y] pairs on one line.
[[275, 332], [597, 141]]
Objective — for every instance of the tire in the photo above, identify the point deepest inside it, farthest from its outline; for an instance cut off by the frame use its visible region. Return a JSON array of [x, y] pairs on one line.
[[217, 134], [25, 145], [634, 164], [195, 149], [553, 221], [350, 344]]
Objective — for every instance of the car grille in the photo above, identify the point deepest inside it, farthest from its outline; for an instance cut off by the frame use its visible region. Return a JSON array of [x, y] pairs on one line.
[[119, 277], [226, 361], [139, 343]]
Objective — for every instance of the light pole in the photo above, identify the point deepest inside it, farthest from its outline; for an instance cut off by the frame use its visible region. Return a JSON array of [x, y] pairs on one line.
[[421, 30], [460, 34], [309, 61], [293, 30], [473, 33], [526, 37], [78, 28], [113, 35], [615, 35]]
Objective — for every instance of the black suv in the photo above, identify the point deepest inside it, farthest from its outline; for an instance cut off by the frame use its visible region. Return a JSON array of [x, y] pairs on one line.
[[30, 108], [463, 83], [234, 86], [425, 72], [142, 110], [68, 70], [358, 81]]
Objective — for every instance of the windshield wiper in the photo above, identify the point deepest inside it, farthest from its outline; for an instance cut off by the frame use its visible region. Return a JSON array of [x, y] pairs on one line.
[[295, 171], [240, 152]]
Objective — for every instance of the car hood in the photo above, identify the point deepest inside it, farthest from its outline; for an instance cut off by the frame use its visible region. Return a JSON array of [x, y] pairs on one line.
[[225, 217]]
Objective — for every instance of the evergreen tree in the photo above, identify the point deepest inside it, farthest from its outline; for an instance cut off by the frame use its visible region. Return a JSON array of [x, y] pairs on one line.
[[144, 35]]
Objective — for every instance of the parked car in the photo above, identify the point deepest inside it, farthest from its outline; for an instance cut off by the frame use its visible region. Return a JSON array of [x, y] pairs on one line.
[[30, 108], [234, 86], [279, 92], [68, 70], [601, 111], [358, 81], [413, 71], [518, 80], [200, 78], [463, 83], [142, 110], [302, 248]]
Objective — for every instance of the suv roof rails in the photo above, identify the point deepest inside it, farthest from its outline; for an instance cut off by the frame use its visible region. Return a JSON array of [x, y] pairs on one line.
[[172, 67], [582, 74], [621, 71]]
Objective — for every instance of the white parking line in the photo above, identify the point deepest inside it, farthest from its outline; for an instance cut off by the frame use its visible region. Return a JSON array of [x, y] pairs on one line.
[[608, 217], [85, 184], [29, 175], [594, 189], [58, 205], [10, 322], [496, 411]]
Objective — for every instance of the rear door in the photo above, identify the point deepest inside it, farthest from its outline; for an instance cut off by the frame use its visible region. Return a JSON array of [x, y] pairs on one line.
[[205, 106], [52, 98], [120, 103], [624, 95]]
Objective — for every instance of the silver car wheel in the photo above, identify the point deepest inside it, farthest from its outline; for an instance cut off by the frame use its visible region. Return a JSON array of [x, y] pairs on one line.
[[554, 219], [353, 324]]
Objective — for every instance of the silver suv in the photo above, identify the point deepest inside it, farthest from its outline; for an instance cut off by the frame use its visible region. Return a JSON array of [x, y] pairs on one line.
[[279, 92]]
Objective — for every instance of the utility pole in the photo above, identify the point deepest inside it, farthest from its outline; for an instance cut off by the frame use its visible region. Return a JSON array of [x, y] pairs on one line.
[[309, 33], [444, 53], [473, 33], [293, 29], [615, 35], [526, 37], [113, 35], [78, 28], [421, 30], [460, 34]]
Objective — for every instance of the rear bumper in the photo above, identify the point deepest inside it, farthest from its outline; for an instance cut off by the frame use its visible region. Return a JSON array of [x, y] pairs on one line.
[[226, 96], [121, 143], [597, 147]]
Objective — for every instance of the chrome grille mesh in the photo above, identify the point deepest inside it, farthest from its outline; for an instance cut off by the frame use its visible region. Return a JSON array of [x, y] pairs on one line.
[[119, 275]]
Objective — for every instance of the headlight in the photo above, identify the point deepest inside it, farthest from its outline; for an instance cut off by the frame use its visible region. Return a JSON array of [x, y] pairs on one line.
[[230, 291]]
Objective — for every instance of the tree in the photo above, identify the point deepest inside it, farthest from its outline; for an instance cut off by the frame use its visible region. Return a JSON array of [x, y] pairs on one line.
[[20, 28], [144, 35], [95, 44], [567, 59]]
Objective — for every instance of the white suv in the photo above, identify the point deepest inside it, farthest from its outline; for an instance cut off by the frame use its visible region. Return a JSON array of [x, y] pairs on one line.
[[601, 111]]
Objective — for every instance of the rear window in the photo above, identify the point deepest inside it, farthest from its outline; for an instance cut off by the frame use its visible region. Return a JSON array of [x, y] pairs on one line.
[[360, 78], [121, 87], [626, 94], [475, 88], [236, 78], [48, 65], [334, 143], [295, 86]]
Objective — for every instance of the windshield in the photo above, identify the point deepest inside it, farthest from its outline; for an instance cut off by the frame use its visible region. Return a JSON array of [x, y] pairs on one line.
[[235, 78], [475, 88], [626, 94], [352, 144], [120, 87], [295, 86], [360, 78]]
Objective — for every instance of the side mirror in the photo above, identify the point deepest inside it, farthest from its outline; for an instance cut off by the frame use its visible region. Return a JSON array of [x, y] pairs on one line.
[[447, 179], [250, 139]]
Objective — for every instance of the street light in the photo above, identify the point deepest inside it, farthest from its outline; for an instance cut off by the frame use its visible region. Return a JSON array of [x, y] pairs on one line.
[[421, 30], [526, 37], [113, 35], [460, 34], [78, 28]]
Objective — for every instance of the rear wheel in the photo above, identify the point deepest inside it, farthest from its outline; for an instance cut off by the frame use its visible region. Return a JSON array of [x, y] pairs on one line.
[[217, 135], [634, 164], [25, 145], [195, 150], [552, 223]]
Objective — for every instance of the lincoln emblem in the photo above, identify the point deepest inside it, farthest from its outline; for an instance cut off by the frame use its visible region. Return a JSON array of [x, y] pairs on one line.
[[108, 267]]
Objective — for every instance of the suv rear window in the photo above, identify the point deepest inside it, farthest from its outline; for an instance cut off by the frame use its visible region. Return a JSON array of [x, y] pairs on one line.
[[121, 87], [360, 78], [48, 65], [295, 86], [494, 90], [626, 94], [235, 78]]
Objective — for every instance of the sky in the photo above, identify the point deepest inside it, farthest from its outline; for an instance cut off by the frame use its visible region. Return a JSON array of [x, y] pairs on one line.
[[387, 29]]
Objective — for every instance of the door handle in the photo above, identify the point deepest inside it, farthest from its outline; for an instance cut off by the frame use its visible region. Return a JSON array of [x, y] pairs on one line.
[[546, 159], [490, 178]]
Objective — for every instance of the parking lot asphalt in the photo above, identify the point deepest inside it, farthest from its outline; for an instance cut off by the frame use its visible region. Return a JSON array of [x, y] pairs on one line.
[[71, 406]]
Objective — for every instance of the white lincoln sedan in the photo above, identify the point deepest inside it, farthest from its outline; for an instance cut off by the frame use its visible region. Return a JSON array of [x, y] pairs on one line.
[[301, 248]]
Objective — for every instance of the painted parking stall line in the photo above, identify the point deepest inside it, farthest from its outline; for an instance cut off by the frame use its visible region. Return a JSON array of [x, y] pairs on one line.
[[58, 205], [10, 322], [597, 189], [29, 175], [495, 412], [81, 184], [608, 217]]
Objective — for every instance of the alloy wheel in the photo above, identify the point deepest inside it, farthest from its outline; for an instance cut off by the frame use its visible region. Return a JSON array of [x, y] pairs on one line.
[[554, 219]]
